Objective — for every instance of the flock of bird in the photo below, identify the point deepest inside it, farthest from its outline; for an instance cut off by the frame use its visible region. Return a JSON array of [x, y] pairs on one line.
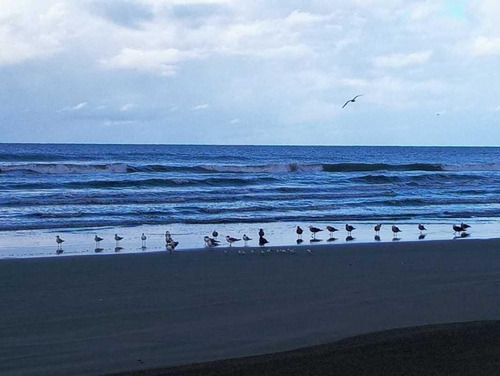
[[213, 241]]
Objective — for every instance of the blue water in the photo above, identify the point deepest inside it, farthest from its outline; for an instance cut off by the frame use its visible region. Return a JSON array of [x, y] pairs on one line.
[[82, 186]]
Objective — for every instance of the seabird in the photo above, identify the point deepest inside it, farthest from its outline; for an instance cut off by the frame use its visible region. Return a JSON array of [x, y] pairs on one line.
[[464, 226], [352, 100], [143, 238], [168, 237], [314, 230], [97, 241], [331, 230], [171, 246], [231, 240], [215, 234], [246, 238], [421, 227], [395, 230], [117, 239], [299, 232], [458, 229], [59, 242], [349, 229], [377, 228], [262, 241]]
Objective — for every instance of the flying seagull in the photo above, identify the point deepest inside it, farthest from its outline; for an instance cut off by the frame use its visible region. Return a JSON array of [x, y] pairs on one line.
[[352, 100]]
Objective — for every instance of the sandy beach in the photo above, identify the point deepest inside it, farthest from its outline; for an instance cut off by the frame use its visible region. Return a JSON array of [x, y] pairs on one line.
[[132, 312]]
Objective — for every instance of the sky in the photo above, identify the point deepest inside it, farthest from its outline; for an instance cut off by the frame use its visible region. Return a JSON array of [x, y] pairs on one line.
[[250, 72]]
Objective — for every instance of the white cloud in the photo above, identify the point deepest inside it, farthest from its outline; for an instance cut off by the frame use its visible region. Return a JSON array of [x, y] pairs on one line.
[[484, 46], [159, 61], [402, 60], [199, 107], [78, 107], [235, 121], [126, 107]]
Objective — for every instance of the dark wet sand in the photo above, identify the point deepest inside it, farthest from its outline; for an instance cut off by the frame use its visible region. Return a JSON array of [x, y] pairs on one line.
[[471, 348], [114, 313]]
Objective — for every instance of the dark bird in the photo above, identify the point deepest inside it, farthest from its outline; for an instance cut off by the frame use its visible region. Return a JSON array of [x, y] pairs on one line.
[[261, 232], [215, 234], [377, 228], [231, 240], [299, 232], [262, 241], [464, 226], [171, 246], [349, 229], [421, 227], [331, 230], [59, 242], [314, 230], [457, 229], [352, 100], [97, 241], [117, 239], [395, 230], [246, 238]]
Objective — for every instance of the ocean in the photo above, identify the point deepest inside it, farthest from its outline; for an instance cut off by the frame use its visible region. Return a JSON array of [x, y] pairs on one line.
[[73, 188]]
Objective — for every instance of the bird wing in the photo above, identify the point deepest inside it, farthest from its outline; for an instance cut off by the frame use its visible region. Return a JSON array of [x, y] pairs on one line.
[[360, 95], [346, 103]]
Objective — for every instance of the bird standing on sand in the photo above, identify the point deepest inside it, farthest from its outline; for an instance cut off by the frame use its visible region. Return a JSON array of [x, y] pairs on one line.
[[231, 240], [143, 238], [377, 228], [59, 242], [421, 227], [246, 239], [215, 234], [117, 239], [262, 241], [261, 232], [349, 229], [314, 231], [97, 241], [352, 100], [299, 232], [395, 230], [457, 229], [464, 226], [331, 230]]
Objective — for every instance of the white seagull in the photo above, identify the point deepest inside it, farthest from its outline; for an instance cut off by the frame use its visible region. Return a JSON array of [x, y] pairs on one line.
[[117, 239], [97, 241], [59, 242], [231, 240]]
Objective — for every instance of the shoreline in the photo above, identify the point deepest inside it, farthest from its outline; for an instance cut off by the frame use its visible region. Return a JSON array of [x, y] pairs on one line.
[[100, 315]]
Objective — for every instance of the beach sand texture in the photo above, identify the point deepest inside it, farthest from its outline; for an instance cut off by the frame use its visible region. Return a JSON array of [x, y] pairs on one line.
[[115, 313]]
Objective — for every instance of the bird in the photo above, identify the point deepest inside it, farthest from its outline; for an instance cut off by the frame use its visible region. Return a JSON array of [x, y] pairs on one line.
[[262, 241], [143, 238], [395, 230], [246, 238], [314, 230], [421, 227], [171, 246], [211, 242], [231, 240], [59, 242], [299, 232], [168, 237], [464, 226], [349, 228], [97, 241], [215, 234], [457, 229], [352, 100], [117, 239], [377, 228], [261, 232], [331, 230]]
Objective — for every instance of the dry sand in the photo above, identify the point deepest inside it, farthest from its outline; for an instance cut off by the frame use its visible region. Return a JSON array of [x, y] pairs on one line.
[[104, 314]]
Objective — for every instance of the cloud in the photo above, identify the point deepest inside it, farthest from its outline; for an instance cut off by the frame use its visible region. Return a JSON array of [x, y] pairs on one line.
[[126, 107], [402, 60], [78, 107], [235, 121], [199, 107], [162, 62], [484, 46], [125, 13]]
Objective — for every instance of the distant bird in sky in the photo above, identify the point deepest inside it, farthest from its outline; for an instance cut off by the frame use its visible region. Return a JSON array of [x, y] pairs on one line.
[[352, 100]]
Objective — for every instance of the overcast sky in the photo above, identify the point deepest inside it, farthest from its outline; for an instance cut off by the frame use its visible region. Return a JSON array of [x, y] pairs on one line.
[[250, 71]]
